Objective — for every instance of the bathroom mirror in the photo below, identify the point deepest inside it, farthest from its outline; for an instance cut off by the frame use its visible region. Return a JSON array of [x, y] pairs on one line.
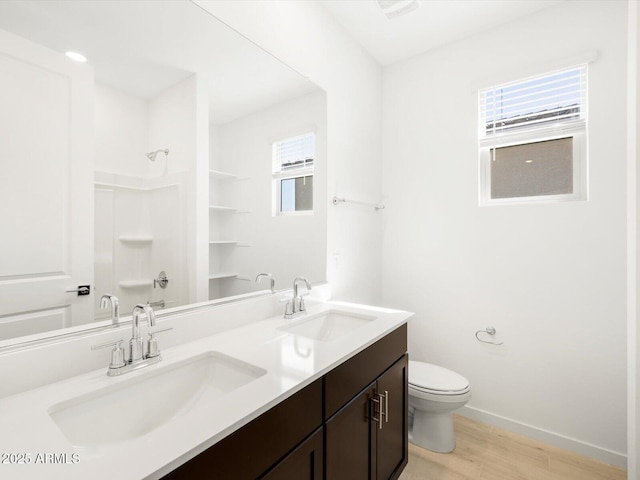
[[176, 164]]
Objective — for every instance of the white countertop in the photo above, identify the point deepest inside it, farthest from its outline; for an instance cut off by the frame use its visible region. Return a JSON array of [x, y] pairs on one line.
[[28, 433]]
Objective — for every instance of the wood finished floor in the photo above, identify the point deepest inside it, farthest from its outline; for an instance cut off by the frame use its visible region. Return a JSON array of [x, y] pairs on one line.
[[484, 452]]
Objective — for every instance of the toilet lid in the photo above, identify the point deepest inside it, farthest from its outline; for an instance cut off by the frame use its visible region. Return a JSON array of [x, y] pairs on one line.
[[426, 376]]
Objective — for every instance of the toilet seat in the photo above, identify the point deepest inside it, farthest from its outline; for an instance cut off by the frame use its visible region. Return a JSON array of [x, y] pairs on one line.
[[436, 380], [419, 390]]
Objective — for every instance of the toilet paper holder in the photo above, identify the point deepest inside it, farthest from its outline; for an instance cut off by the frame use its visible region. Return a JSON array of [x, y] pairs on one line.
[[490, 331]]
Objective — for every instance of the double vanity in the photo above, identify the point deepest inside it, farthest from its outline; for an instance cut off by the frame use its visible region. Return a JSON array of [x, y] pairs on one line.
[[319, 395]]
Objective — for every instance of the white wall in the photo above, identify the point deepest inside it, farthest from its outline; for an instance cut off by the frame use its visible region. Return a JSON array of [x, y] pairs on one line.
[[633, 145], [288, 246], [121, 123], [549, 277], [306, 37]]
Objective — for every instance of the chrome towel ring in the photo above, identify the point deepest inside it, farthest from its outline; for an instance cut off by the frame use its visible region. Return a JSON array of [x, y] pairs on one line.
[[489, 331]]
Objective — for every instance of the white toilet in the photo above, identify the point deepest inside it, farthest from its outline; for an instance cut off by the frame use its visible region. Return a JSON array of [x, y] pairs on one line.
[[434, 392]]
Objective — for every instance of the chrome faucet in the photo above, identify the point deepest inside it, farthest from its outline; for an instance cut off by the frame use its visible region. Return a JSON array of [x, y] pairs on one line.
[[296, 304], [135, 344], [107, 299], [272, 279], [137, 357]]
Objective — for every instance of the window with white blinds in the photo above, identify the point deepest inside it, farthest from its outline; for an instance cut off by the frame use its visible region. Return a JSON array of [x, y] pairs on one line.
[[532, 136], [551, 99], [293, 153]]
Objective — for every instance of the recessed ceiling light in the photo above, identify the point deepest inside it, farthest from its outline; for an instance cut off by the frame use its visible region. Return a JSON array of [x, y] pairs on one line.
[[528, 161], [396, 8], [78, 57]]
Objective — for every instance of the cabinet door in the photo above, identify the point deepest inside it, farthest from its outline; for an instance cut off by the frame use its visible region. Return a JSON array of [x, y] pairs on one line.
[[304, 463], [350, 440], [392, 446]]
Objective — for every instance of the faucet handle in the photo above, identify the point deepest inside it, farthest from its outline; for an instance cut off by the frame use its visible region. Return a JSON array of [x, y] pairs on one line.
[[117, 354], [289, 309], [152, 344]]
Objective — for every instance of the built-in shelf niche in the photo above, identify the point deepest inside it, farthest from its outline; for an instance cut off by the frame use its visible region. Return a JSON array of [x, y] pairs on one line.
[[221, 208], [136, 239], [221, 245], [227, 275], [236, 243], [225, 209], [219, 175], [221, 275]]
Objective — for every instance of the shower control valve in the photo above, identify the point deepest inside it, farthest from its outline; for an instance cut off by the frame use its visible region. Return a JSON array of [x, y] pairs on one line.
[[162, 281]]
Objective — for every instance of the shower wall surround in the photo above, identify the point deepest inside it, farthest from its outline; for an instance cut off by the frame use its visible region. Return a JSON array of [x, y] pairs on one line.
[[140, 224]]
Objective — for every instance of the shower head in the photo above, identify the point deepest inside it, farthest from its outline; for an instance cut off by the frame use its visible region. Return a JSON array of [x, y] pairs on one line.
[[152, 155]]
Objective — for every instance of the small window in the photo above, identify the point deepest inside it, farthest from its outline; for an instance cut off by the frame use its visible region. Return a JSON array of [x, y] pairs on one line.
[[296, 194], [533, 169], [532, 137], [292, 169]]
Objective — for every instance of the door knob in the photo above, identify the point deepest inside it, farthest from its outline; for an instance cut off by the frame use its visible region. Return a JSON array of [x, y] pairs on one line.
[[81, 290]]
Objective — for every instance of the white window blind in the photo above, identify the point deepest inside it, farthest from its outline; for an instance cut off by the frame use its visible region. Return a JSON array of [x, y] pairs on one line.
[[293, 154], [545, 100]]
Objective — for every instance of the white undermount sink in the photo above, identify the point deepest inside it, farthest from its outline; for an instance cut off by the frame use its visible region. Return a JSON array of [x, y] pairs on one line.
[[138, 406], [327, 326]]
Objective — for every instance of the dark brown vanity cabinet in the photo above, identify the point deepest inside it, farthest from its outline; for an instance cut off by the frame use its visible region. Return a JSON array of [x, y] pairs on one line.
[[350, 424], [250, 452]]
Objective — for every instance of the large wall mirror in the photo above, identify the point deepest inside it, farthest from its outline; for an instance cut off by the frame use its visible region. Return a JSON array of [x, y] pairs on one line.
[[171, 168]]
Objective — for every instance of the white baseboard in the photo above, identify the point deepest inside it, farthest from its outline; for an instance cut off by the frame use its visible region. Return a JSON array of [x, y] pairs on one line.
[[582, 448]]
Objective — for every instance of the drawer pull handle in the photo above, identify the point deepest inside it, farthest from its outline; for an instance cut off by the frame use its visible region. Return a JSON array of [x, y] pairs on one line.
[[379, 411], [386, 405], [382, 411]]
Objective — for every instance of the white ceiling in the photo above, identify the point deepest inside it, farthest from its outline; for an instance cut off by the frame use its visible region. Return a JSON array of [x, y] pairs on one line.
[[435, 23], [144, 47]]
